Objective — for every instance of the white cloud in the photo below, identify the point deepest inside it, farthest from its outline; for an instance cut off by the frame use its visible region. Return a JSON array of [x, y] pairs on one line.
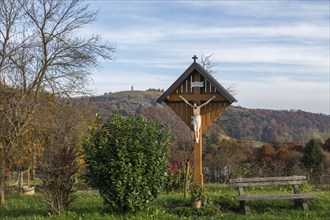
[[250, 44], [267, 9], [145, 34], [282, 93], [277, 52]]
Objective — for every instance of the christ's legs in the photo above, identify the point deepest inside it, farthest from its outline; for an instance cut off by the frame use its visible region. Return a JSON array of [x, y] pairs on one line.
[[197, 127], [196, 134]]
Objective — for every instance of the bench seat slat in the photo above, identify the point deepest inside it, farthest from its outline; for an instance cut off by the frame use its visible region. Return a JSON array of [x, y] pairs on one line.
[[268, 183], [275, 197], [269, 179]]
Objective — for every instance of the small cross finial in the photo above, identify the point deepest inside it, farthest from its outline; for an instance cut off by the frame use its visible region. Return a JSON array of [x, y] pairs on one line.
[[194, 58]]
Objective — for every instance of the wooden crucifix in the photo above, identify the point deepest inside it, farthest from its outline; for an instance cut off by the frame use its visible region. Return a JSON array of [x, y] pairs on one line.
[[196, 119], [198, 99]]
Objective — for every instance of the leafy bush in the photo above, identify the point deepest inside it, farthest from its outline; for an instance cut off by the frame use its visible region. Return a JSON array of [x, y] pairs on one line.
[[197, 193], [182, 211], [207, 210], [126, 158]]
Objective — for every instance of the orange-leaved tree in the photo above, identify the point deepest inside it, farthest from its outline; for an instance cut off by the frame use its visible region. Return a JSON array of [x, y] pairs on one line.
[[41, 51]]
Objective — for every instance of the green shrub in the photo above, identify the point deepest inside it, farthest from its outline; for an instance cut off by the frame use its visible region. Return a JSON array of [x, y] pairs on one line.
[[206, 210], [182, 211], [197, 193], [126, 158]]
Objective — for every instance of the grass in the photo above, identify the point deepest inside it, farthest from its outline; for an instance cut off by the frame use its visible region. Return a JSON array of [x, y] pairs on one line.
[[221, 204]]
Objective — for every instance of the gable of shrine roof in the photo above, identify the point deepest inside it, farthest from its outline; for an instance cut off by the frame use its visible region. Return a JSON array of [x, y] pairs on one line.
[[197, 67]]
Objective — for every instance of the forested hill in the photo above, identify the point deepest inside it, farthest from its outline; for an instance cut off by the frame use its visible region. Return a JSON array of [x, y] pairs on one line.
[[274, 125], [237, 122]]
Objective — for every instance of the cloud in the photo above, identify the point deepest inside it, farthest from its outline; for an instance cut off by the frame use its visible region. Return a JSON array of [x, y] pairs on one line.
[[293, 9], [277, 52], [282, 93], [175, 32], [280, 44]]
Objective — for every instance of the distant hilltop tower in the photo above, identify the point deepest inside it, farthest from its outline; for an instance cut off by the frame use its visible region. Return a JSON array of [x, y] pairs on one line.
[[132, 88]]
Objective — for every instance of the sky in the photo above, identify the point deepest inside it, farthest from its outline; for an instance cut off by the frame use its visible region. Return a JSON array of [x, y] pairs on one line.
[[274, 53]]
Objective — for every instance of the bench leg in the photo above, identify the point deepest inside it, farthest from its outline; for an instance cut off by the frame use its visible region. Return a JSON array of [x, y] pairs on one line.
[[301, 203], [244, 205]]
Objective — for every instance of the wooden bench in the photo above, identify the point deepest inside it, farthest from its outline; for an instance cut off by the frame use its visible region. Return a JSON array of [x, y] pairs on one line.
[[300, 199]]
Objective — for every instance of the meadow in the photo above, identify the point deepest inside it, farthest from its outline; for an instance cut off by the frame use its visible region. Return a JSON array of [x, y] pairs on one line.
[[221, 204]]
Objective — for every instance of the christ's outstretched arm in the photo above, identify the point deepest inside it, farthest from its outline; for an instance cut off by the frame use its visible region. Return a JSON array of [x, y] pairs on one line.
[[208, 101], [185, 101]]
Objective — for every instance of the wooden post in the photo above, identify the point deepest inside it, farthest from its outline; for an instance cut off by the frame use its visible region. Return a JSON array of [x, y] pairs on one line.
[[198, 168], [20, 181], [28, 177]]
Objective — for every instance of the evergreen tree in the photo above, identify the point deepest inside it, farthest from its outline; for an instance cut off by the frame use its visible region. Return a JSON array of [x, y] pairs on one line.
[[313, 156]]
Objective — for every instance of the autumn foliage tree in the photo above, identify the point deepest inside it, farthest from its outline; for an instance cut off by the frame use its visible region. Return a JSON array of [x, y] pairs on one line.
[[223, 156], [40, 50], [266, 154]]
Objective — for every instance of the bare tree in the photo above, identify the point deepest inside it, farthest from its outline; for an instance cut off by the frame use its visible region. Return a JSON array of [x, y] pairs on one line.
[[9, 16], [41, 52], [208, 64]]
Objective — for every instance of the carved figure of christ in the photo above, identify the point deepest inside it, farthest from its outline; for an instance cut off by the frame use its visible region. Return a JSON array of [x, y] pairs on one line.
[[196, 118]]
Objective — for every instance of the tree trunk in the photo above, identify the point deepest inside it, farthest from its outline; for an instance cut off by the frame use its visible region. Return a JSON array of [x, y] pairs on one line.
[[2, 175]]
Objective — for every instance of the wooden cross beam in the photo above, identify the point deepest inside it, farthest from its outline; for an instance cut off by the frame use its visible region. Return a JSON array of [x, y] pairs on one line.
[[196, 98]]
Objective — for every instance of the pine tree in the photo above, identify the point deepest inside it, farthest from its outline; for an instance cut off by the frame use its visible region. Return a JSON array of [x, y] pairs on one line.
[[313, 156]]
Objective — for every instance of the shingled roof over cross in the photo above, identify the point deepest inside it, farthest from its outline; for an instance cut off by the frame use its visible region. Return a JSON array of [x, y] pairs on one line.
[[207, 78]]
